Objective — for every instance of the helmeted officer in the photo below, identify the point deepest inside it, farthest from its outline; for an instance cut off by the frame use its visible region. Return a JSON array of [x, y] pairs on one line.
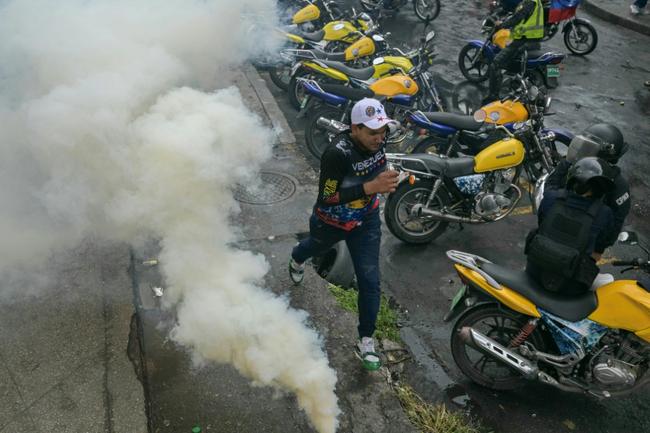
[[574, 223], [605, 141]]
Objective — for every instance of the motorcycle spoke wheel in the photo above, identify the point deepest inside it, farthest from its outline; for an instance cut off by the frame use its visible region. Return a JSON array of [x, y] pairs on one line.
[[426, 9], [316, 137], [500, 325], [281, 75], [581, 39], [472, 64], [370, 5], [420, 226]]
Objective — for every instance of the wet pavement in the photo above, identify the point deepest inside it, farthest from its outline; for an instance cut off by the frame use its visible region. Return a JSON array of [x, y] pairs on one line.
[[606, 86]]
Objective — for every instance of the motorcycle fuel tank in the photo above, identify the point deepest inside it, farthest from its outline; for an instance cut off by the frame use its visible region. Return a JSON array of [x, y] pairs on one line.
[[505, 153], [306, 14], [394, 85], [361, 48], [504, 112], [339, 31]]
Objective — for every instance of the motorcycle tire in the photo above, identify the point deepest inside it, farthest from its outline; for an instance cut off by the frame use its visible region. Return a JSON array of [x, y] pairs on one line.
[[432, 145], [295, 90], [583, 30], [473, 363], [426, 10], [466, 60], [317, 138], [281, 75], [396, 212]]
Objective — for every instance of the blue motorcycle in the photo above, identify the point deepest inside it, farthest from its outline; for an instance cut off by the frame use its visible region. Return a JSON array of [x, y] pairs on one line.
[[541, 68]]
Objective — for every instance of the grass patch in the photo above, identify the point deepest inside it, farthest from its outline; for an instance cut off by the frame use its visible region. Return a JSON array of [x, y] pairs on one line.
[[386, 318], [433, 419]]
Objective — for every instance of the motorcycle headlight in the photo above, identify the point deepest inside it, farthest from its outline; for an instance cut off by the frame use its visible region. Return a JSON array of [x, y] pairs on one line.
[[533, 93]]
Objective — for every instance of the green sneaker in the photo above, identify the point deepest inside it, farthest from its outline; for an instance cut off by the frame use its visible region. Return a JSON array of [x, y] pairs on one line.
[[365, 351]]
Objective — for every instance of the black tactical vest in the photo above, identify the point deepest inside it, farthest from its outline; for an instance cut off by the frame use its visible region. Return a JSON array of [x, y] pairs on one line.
[[558, 248]]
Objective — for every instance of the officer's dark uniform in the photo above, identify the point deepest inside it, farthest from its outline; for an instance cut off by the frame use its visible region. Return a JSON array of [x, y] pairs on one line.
[[571, 228], [617, 200]]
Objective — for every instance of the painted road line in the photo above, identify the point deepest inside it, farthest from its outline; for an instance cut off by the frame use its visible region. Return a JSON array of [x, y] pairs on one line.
[[522, 210]]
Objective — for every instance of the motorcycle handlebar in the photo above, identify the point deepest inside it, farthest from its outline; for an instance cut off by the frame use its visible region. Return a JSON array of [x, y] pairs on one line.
[[638, 262]]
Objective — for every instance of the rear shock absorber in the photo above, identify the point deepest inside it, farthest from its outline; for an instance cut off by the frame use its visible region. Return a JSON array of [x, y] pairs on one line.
[[524, 333]]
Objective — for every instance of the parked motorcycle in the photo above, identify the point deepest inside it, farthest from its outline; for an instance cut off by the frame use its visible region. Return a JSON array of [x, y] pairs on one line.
[[541, 68], [313, 14], [510, 330], [451, 134], [468, 189], [580, 36], [426, 10]]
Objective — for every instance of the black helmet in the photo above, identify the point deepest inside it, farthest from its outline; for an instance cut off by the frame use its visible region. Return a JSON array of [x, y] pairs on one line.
[[603, 140], [591, 174]]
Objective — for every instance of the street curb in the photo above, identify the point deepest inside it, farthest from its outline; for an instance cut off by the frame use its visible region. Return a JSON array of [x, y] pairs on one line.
[[278, 121], [606, 15]]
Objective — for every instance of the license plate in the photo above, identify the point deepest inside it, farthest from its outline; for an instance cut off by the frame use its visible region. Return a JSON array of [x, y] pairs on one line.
[[552, 71], [459, 297]]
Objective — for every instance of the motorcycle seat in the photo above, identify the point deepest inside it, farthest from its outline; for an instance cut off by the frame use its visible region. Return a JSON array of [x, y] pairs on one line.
[[322, 55], [347, 92], [316, 36], [360, 74], [572, 308], [452, 167], [458, 121]]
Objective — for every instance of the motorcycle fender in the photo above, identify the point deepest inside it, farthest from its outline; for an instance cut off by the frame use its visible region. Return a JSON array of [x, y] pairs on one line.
[[569, 24], [563, 135], [478, 44], [332, 73], [295, 38], [503, 295]]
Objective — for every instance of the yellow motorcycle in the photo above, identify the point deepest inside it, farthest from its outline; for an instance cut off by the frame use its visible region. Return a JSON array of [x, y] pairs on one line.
[[510, 330], [343, 40], [468, 189], [414, 63], [314, 14]]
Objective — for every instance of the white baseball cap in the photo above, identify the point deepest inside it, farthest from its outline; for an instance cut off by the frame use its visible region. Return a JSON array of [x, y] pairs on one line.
[[370, 113]]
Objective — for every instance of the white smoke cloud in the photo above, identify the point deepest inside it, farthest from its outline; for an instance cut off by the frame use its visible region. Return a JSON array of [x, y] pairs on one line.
[[106, 129]]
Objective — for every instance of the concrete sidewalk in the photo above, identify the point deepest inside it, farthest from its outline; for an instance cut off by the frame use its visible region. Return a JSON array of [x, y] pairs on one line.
[[216, 397], [618, 12]]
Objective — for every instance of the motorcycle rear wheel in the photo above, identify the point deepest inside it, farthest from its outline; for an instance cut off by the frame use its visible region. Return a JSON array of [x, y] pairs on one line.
[[295, 90], [414, 230], [426, 9], [473, 68], [281, 75], [500, 324], [584, 40], [317, 138]]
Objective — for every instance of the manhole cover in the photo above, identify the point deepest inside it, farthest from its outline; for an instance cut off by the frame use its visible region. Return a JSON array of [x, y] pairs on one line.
[[272, 188]]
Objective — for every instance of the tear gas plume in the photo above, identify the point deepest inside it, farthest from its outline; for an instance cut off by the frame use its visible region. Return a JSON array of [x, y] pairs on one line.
[[110, 127]]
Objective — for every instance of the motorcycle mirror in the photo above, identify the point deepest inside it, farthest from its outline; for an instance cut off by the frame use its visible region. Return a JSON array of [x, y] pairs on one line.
[[628, 238], [378, 61], [430, 36]]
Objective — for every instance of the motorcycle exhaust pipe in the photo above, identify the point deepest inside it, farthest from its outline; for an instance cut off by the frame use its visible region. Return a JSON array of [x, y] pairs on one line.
[[419, 209], [330, 125], [481, 342]]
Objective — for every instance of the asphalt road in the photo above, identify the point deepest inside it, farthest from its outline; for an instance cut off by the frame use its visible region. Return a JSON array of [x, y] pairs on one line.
[[604, 86]]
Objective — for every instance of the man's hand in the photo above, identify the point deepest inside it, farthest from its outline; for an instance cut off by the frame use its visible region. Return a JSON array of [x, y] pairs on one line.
[[384, 183]]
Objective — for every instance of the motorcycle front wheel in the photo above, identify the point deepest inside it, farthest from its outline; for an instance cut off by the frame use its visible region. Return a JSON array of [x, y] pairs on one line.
[[414, 229], [370, 5], [473, 64], [317, 137], [580, 37], [501, 325], [426, 9]]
